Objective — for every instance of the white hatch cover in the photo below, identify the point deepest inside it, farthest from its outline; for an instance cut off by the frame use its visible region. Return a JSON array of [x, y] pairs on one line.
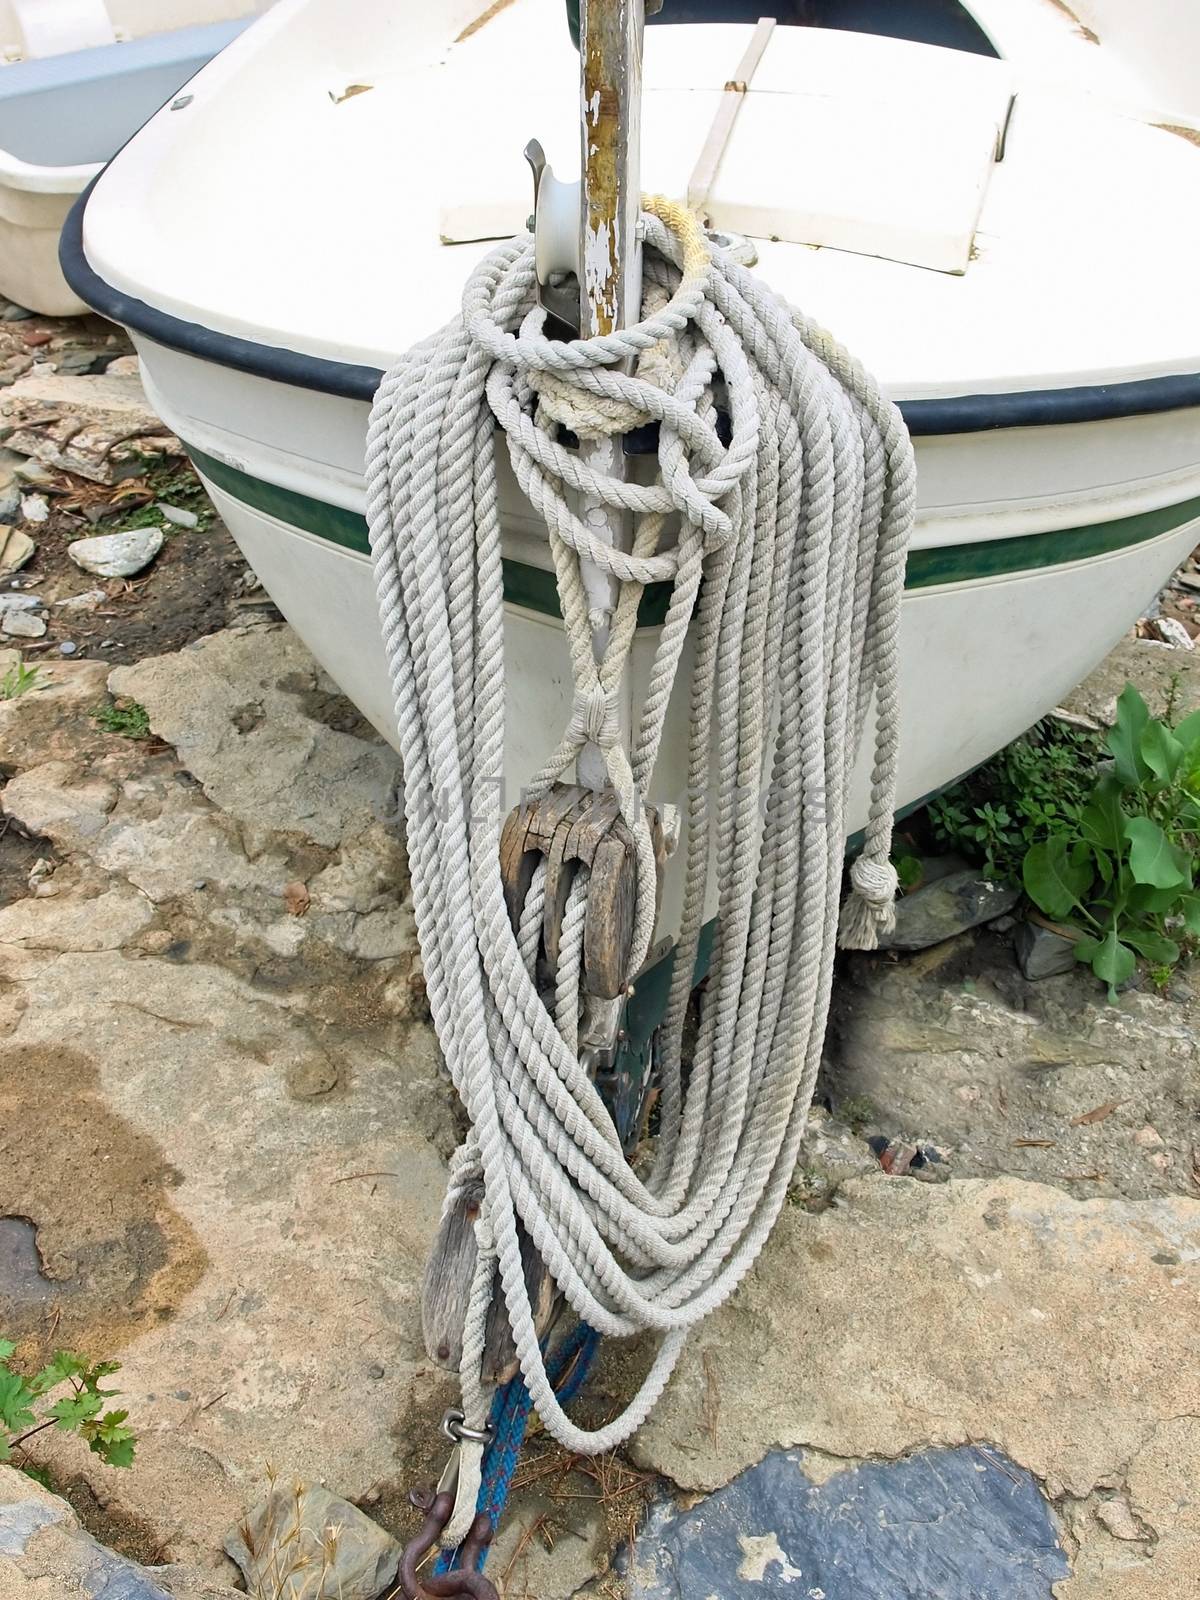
[[845, 140]]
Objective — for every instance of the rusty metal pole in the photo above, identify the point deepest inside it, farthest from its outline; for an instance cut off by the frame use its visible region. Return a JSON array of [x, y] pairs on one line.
[[610, 285]]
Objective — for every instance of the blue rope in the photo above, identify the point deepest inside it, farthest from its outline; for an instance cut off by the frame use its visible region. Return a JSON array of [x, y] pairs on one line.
[[567, 1370]]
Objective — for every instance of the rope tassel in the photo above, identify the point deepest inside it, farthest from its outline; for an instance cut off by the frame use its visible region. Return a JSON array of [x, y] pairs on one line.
[[779, 519]]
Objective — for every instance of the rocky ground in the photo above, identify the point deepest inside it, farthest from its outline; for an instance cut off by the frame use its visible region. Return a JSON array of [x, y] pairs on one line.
[[969, 1345]]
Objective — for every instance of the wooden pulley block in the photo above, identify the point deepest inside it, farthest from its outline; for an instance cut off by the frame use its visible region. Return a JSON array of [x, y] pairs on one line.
[[446, 1293], [568, 827]]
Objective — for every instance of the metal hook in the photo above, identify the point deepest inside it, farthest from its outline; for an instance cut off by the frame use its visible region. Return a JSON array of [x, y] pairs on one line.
[[466, 1581]]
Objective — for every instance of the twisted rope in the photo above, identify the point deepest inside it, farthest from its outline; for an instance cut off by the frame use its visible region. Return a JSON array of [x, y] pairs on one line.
[[784, 546]]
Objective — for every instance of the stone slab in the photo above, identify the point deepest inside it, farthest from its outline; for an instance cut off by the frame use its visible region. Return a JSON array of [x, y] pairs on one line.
[[938, 1525]]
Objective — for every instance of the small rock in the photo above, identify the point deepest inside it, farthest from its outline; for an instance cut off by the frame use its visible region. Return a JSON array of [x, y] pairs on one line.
[[177, 515], [123, 367], [30, 470], [1119, 1520], [1171, 631], [117, 555], [897, 1156], [22, 625], [363, 1559], [951, 905], [76, 363], [901, 1159], [311, 1077], [1148, 1138], [296, 898], [34, 508], [68, 647], [1042, 953], [376, 1370], [87, 601], [15, 549], [10, 602], [15, 313]]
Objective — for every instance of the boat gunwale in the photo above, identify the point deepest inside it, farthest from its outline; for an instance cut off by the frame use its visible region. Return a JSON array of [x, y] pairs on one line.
[[925, 418]]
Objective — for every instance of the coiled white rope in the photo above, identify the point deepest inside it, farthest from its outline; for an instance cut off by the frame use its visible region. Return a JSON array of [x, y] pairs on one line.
[[785, 550]]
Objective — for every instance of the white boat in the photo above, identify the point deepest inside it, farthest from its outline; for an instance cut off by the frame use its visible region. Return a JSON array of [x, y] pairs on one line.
[[998, 229], [79, 77]]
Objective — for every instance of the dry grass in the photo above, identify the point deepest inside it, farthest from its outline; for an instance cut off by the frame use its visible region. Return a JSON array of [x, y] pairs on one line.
[[569, 1481], [294, 1560]]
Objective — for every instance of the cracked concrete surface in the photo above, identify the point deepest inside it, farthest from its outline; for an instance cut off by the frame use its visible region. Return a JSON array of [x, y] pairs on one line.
[[222, 1108]]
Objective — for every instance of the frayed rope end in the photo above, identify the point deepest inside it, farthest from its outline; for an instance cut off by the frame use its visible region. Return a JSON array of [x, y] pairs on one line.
[[869, 911]]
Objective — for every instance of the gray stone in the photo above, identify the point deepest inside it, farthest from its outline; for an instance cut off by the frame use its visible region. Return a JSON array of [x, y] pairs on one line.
[[87, 601], [177, 515], [12, 601], [291, 770], [16, 548], [99, 426], [940, 1525], [304, 1543], [45, 1552], [22, 624], [949, 905], [108, 921], [1042, 953], [35, 472], [117, 555], [20, 1519], [58, 800]]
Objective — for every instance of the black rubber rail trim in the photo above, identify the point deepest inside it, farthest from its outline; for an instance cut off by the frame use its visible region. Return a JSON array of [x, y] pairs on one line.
[[972, 413]]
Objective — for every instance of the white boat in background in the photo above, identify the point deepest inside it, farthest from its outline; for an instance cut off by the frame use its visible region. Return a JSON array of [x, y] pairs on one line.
[[1007, 240], [79, 77]]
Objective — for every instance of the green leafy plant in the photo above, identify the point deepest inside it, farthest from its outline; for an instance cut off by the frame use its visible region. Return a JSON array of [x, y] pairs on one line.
[[27, 1409], [18, 680], [907, 861], [1039, 784], [167, 483], [1121, 870], [126, 717]]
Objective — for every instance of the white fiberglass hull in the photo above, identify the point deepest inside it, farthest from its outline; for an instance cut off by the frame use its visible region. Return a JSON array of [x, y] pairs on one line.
[[61, 118], [1010, 601], [270, 266]]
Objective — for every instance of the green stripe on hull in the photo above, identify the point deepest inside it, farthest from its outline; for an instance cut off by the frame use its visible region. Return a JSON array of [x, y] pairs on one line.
[[534, 588]]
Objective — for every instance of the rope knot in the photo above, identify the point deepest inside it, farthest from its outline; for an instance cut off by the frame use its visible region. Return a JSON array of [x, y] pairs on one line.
[[588, 415], [871, 907], [595, 718]]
